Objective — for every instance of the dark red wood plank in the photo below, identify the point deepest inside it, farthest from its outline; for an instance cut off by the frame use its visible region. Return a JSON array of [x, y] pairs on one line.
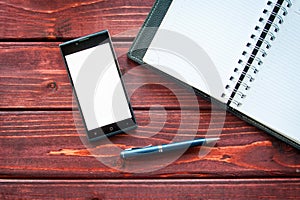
[[46, 145], [151, 189], [52, 19], [34, 76]]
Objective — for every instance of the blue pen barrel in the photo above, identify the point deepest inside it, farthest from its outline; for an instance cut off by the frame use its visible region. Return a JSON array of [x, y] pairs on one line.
[[139, 152], [183, 145], [135, 152]]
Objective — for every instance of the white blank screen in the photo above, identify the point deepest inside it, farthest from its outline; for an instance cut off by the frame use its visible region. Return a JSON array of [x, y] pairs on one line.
[[98, 87]]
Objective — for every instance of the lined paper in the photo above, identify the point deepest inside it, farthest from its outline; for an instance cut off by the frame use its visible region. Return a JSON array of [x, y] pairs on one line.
[[275, 95], [220, 30]]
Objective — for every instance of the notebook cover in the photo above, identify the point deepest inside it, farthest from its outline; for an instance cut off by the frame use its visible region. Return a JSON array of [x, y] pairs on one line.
[[143, 41], [148, 30]]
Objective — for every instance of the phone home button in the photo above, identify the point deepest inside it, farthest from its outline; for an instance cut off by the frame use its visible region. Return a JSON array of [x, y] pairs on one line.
[[111, 128]]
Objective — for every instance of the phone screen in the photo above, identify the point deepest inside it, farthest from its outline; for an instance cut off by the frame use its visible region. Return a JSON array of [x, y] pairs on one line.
[[96, 79]]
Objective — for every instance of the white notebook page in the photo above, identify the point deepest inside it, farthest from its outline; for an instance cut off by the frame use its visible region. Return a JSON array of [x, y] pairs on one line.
[[275, 95], [220, 28]]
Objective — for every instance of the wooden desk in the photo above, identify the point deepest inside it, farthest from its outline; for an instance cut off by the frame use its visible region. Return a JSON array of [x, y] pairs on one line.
[[42, 155]]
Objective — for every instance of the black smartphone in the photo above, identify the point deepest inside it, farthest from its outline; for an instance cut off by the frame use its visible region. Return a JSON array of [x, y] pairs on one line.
[[98, 86]]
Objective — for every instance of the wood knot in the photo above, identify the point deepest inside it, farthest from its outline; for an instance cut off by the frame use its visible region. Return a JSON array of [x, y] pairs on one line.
[[225, 157], [52, 85]]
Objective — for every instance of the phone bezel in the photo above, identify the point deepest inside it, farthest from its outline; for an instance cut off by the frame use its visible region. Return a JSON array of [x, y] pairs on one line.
[[87, 42]]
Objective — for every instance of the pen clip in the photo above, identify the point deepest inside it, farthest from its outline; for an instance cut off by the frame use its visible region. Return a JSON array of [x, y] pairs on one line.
[[132, 148]]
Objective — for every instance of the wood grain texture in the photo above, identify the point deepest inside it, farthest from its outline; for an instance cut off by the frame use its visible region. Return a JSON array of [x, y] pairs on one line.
[[43, 149], [71, 18], [151, 189], [44, 144], [34, 76]]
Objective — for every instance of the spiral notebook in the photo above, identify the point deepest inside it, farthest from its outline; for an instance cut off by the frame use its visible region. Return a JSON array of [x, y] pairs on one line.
[[254, 47]]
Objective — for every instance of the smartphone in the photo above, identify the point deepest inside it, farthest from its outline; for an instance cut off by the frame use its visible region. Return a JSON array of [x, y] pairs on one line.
[[97, 84]]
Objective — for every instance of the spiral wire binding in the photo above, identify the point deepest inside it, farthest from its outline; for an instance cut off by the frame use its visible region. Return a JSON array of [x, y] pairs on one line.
[[256, 50]]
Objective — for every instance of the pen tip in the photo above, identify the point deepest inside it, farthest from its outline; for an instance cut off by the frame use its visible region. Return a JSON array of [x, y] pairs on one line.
[[211, 140]]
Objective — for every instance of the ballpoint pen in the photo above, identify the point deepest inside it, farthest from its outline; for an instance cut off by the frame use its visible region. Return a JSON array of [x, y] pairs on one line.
[[142, 151]]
